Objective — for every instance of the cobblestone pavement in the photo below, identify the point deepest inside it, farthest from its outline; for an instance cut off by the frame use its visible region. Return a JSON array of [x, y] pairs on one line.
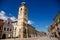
[[38, 38]]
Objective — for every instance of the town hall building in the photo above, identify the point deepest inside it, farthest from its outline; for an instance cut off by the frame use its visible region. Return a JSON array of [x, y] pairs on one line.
[[25, 30]]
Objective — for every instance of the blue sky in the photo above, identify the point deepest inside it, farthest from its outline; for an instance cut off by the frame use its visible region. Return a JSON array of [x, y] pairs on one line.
[[40, 12]]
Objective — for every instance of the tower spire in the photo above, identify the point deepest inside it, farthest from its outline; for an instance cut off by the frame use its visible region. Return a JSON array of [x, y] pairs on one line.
[[24, 1]]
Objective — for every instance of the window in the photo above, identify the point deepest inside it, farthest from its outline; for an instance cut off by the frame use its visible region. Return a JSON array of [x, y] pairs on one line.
[[7, 29], [21, 8], [24, 28], [4, 29], [10, 29], [25, 19], [25, 13], [24, 25], [0, 28], [8, 22], [25, 31], [25, 9]]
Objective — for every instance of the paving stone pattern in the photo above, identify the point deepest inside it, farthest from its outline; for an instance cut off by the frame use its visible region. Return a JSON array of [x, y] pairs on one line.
[[37, 38]]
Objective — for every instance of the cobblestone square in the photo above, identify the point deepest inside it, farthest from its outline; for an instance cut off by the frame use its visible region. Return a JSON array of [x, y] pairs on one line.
[[38, 38]]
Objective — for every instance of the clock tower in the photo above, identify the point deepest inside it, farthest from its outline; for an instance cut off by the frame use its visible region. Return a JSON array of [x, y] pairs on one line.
[[23, 20]]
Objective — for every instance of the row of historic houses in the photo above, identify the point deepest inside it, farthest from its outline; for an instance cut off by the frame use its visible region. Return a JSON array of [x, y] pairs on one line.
[[54, 29], [5, 29], [8, 29]]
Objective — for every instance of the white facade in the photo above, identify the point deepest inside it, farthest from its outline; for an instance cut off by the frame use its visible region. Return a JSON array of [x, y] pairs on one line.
[[15, 29], [7, 29]]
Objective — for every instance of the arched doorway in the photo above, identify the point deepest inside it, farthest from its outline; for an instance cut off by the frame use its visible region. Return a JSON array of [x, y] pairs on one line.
[[3, 36], [59, 33]]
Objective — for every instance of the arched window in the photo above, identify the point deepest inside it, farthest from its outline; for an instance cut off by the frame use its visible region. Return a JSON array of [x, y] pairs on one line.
[[7, 29], [4, 29], [21, 8]]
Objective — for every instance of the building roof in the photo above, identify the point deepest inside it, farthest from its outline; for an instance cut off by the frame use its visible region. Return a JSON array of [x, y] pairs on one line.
[[31, 26], [28, 24], [14, 21]]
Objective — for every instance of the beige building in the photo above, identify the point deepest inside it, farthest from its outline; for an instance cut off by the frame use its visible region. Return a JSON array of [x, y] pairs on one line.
[[25, 30], [15, 29]]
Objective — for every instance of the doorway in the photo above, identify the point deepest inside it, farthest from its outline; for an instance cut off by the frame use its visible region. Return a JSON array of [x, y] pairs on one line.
[[4, 36]]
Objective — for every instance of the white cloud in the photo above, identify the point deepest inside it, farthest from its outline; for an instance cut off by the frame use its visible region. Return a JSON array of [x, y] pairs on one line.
[[2, 12], [13, 18], [2, 15], [30, 22]]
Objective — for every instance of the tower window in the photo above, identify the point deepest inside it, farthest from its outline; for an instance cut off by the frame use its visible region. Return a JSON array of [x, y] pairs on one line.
[[25, 13], [21, 8], [25, 10]]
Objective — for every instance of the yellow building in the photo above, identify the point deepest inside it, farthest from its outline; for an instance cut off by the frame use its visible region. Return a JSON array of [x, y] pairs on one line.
[[55, 27], [57, 24]]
